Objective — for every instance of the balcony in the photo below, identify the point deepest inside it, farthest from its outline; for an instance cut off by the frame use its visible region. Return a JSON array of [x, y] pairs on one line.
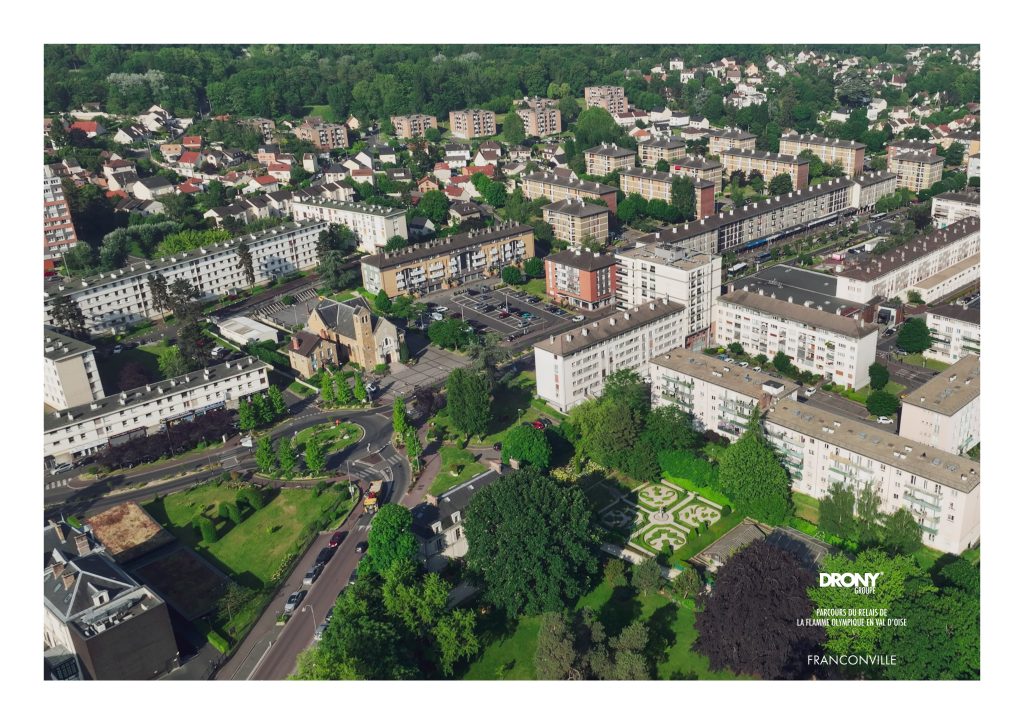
[[918, 501]]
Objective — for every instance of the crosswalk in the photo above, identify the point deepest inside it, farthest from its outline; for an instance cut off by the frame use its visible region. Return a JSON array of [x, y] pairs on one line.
[[57, 484]]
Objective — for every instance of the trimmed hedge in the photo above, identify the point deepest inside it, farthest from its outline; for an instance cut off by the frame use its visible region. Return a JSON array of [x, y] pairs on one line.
[[217, 641], [683, 464]]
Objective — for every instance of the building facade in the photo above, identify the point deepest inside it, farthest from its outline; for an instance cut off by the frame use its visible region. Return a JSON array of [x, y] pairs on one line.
[[575, 222], [945, 412], [848, 154], [653, 184], [540, 116], [573, 365], [558, 187], [412, 126], [766, 163], [952, 206], [721, 396], [698, 168], [581, 279], [472, 122], [324, 136], [667, 149], [374, 225], [362, 337], [608, 157], [448, 262], [823, 343], [70, 375], [113, 300], [898, 147], [723, 140], [956, 332], [610, 97], [58, 229], [820, 449], [660, 271], [917, 170]]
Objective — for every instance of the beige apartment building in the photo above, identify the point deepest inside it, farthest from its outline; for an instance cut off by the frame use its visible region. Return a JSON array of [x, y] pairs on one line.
[[956, 332], [58, 229], [608, 157], [897, 147], [668, 149], [472, 123], [610, 97], [768, 164], [324, 136], [540, 116], [697, 168], [448, 262], [917, 170], [720, 395], [839, 348], [662, 271], [70, 375], [557, 188], [912, 265], [820, 448], [848, 154], [412, 126], [575, 221], [945, 412], [723, 140], [653, 184]]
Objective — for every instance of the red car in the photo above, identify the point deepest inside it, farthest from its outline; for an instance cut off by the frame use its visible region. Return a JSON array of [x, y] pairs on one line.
[[538, 424], [337, 538]]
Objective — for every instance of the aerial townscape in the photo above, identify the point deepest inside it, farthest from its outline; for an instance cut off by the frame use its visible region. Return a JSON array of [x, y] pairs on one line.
[[505, 362]]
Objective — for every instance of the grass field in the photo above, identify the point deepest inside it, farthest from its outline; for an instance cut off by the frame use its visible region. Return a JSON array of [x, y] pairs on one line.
[[509, 654], [337, 438], [146, 355], [453, 456], [325, 112], [920, 361], [861, 396], [806, 507], [536, 287]]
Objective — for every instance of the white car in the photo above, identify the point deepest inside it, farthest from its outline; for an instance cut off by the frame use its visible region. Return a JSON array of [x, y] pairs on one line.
[[440, 309], [118, 349], [578, 318], [436, 316], [883, 420], [810, 391], [756, 369], [744, 364], [729, 360]]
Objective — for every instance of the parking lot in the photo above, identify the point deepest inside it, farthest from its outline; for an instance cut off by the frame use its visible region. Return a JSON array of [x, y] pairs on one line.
[[516, 316]]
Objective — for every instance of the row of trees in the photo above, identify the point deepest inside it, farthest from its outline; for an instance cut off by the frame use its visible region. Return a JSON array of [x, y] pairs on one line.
[[336, 391], [282, 460], [174, 439], [856, 516], [261, 409]]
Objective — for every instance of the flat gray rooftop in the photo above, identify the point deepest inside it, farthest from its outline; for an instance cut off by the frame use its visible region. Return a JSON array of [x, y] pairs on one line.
[[802, 285]]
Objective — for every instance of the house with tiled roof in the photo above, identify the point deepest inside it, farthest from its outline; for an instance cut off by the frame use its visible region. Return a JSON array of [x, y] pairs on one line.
[[262, 183], [362, 337], [192, 143], [91, 129], [189, 162], [151, 187], [309, 353]]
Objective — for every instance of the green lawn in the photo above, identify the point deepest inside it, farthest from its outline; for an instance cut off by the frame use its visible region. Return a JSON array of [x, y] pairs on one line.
[[920, 361], [300, 390], [536, 287], [325, 112], [110, 366], [343, 296], [670, 629], [337, 438], [252, 551], [467, 464], [806, 507], [861, 396]]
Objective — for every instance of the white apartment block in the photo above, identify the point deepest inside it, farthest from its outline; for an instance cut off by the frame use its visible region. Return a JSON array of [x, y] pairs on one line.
[[70, 376], [573, 365], [974, 166], [956, 332], [952, 206], [58, 229], [893, 273], [820, 448], [839, 348], [660, 271], [113, 300], [85, 429], [374, 225], [719, 395], [945, 412]]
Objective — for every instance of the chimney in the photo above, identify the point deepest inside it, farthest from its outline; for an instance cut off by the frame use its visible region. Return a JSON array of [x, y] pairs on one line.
[[58, 569], [58, 528], [82, 544], [69, 579]]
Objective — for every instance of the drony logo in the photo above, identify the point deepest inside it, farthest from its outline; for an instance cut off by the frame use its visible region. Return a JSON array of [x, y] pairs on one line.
[[860, 582]]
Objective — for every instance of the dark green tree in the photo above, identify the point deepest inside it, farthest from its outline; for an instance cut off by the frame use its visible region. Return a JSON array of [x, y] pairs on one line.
[[245, 263], [469, 401], [512, 128], [901, 534], [555, 656], [276, 399], [914, 336], [780, 184], [879, 375], [534, 267], [434, 206], [881, 403], [511, 275], [391, 540], [752, 476], [684, 197], [645, 577], [285, 457], [527, 444], [265, 457], [68, 317], [382, 302], [316, 457]]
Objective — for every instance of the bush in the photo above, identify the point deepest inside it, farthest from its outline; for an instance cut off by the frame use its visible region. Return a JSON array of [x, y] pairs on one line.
[[381, 369], [217, 641], [232, 513], [683, 464], [251, 496], [726, 511], [207, 530], [881, 403], [320, 488]]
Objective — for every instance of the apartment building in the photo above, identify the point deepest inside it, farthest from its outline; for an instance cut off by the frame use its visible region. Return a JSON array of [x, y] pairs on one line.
[[70, 375], [956, 332], [540, 116], [951, 206], [472, 123], [662, 271], [608, 157], [898, 147], [697, 168], [558, 187], [574, 221], [869, 187], [945, 412], [58, 229], [264, 126], [929, 263], [99, 623], [374, 225], [653, 184], [448, 262], [581, 279], [85, 429], [669, 149], [324, 136], [820, 448], [412, 126], [573, 365], [917, 170], [113, 300], [824, 343], [769, 219], [974, 165], [766, 163], [848, 154], [610, 97], [723, 140], [720, 395]]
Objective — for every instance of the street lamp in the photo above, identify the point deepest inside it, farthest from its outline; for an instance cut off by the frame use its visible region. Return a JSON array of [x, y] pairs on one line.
[[310, 607]]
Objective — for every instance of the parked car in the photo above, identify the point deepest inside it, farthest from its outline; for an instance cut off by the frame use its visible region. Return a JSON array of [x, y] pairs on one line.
[[728, 360], [353, 576], [744, 364], [810, 391], [497, 446], [883, 420], [319, 633], [756, 369], [441, 309], [545, 421], [312, 574], [61, 468], [361, 547], [504, 314], [324, 555], [533, 300], [436, 316], [538, 424], [889, 332], [293, 601], [337, 538], [118, 348], [578, 318]]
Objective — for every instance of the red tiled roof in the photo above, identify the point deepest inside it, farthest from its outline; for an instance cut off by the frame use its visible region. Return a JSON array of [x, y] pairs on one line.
[[85, 126], [453, 191], [265, 180], [487, 170], [192, 141], [188, 188], [442, 166], [116, 194], [189, 157], [455, 180], [279, 167]]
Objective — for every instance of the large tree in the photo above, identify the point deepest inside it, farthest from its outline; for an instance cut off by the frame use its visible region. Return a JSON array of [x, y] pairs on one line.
[[914, 335], [835, 512], [670, 428], [748, 622], [68, 317], [527, 444], [245, 263], [901, 533], [512, 128], [879, 375], [391, 540], [752, 476], [780, 184], [684, 197], [595, 126], [469, 400], [531, 542], [434, 206]]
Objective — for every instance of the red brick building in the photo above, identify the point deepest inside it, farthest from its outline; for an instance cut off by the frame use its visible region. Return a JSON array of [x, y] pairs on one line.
[[581, 278]]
